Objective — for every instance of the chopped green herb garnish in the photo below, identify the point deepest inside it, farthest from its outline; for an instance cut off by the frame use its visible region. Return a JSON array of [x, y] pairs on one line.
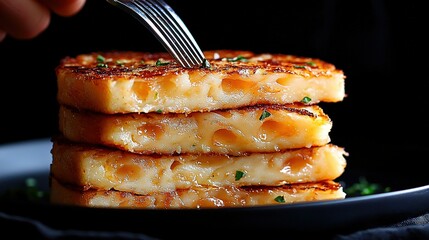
[[239, 174], [102, 65], [306, 100], [100, 59], [280, 199], [264, 115], [299, 66], [159, 111], [29, 192], [236, 59], [30, 182], [159, 62], [311, 64], [364, 187]]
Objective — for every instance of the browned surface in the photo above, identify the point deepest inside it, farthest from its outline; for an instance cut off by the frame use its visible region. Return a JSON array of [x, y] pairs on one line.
[[141, 64], [103, 168], [123, 82], [211, 197]]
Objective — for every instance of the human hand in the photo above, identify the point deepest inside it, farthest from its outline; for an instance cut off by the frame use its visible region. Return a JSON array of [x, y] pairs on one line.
[[25, 19]]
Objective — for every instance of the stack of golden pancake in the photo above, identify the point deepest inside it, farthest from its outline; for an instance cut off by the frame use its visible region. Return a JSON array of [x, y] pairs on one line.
[[139, 131]]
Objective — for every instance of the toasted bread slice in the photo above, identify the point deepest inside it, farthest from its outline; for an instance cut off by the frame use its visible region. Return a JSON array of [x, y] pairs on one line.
[[106, 169], [123, 82], [199, 197], [254, 129]]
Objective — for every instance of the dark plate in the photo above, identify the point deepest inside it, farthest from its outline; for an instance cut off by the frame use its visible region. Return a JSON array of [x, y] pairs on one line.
[[23, 160]]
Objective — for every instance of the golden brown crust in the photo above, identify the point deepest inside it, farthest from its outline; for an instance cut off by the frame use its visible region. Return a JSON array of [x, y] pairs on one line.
[[143, 64], [122, 82], [105, 168], [204, 197], [167, 137]]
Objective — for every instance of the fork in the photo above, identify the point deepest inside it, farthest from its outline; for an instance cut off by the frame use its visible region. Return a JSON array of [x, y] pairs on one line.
[[168, 28]]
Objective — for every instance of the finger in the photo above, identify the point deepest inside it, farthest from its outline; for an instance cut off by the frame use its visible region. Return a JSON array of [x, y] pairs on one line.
[[2, 35], [64, 7], [23, 19]]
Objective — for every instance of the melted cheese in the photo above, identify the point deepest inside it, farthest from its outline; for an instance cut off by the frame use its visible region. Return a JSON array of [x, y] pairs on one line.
[[106, 169], [231, 132]]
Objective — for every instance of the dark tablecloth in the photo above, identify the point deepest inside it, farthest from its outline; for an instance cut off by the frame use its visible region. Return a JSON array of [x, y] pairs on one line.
[[410, 229], [17, 226]]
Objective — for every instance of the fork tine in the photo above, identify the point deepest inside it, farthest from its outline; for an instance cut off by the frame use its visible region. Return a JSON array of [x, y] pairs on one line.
[[188, 47], [170, 33], [129, 7], [181, 27], [166, 25], [164, 31]]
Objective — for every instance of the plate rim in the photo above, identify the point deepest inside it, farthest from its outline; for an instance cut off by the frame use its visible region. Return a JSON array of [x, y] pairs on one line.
[[304, 211]]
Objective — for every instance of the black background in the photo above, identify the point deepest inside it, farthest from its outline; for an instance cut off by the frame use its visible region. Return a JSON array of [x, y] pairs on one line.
[[382, 46]]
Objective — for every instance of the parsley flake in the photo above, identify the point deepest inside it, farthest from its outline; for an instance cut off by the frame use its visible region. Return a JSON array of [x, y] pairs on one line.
[[100, 59], [264, 115], [299, 66], [158, 111], [311, 64], [280, 199], [364, 187], [306, 100], [102, 65], [236, 59], [239, 174], [159, 62], [30, 192]]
